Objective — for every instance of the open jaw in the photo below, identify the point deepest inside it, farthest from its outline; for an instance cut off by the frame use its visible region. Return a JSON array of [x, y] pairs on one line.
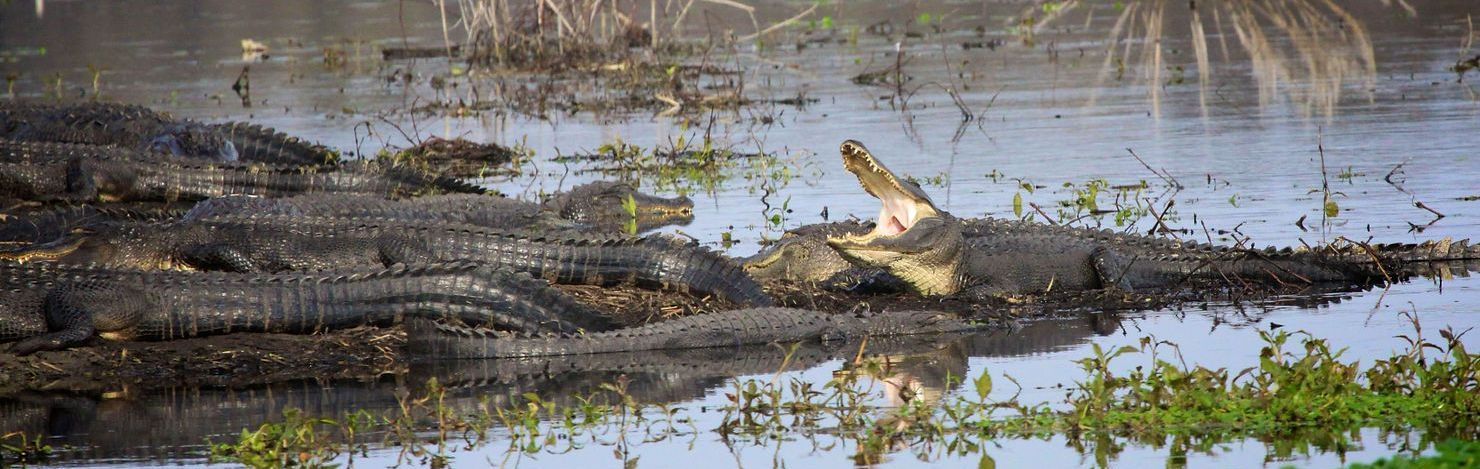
[[903, 204]]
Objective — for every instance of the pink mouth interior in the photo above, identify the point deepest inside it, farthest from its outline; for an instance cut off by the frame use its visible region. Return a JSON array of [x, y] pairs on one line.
[[896, 216]]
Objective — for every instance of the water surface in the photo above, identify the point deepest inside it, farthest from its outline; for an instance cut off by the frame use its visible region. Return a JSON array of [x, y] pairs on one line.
[[1246, 141]]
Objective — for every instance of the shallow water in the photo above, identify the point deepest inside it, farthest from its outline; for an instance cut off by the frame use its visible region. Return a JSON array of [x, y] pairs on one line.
[[1244, 148]]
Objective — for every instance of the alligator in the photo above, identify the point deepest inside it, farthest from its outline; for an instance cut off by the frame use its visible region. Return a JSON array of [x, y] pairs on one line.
[[142, 129], [598, 206], [275, 243], [718, 329], [21, 228], [59, 171], [937, 254], [614, 206], [52, 307], [127, 126], [266, 145]]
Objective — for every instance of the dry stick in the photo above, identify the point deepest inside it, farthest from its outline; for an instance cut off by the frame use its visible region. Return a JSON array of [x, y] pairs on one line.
[[1042, 213], [1436, 213], [1158, 223], [1396, 185], [1325, 184], [782, 24], [1165, 176]]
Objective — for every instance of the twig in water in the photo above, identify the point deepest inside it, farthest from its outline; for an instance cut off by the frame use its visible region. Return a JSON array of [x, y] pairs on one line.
[[1040, 211], [1396, 184], [780, 25], [1163, 174], [1421, 205], [1158, 224]]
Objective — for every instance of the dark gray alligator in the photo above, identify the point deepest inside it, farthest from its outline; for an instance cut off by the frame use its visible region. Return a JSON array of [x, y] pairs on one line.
[[24, 227], [263, 144], [58, 171], [722, 329], [50, 307], [608, 207], [271, 243], [142, 129], [936, 253], [127, 126]]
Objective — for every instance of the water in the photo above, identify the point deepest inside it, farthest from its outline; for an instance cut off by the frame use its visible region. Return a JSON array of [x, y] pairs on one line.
[[1243, 144]]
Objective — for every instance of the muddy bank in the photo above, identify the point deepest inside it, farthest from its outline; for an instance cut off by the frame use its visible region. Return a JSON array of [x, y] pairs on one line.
[[247, 359], [231, 360]]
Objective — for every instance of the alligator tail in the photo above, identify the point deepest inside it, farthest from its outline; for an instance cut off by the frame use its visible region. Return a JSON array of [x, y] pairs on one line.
[[464, 292], [435, 183], [473, 292], [705, 271], [1442, 250]]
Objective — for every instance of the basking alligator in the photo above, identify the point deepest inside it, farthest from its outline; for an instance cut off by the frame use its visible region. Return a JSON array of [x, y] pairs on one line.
[[271, 243], [20, 228], [52, 307], [141, 129], [937, 254], [598, 206], [722, 329], [43, 171]]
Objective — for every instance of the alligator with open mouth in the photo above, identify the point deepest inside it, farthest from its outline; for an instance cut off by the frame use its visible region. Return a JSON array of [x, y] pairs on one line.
[[50, 307], [935, 253], [142, 129], [731, 328], [276, 243]]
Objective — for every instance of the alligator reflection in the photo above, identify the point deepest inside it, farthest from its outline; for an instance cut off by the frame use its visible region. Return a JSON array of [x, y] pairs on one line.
[[175, 424]]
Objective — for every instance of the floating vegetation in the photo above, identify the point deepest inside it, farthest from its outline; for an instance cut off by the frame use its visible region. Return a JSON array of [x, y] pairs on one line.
[[1299, 396], [690, 164], [1093, 200], [459, 158], [595, 56]]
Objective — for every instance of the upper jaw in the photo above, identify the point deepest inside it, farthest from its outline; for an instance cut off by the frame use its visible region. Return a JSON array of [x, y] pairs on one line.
[[903, 205]]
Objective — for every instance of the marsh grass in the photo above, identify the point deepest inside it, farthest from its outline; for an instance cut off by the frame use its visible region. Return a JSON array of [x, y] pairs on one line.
[[1299, 396], [1310, 52], [605, 56]]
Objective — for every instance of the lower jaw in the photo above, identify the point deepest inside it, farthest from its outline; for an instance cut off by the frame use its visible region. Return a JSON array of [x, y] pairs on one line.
[[931, 281]]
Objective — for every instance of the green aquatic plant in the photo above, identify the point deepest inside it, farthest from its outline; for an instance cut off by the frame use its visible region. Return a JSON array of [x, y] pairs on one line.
[[1452, 454], [20, 448], [296, 441]]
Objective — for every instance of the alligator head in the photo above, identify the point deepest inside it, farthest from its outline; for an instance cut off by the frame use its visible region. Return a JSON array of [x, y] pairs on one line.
[[914, 240], [614, 206], [193, 140], [85, 245], [802, 255]]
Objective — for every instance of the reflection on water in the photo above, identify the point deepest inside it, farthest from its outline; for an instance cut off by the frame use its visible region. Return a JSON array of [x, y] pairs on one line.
[[174, 424], [1310, 50], [1229, 96]]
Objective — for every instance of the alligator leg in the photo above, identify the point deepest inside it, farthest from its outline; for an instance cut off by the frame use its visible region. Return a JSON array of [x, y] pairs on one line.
[[221, 257], [70, 314], [1114, 269]]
